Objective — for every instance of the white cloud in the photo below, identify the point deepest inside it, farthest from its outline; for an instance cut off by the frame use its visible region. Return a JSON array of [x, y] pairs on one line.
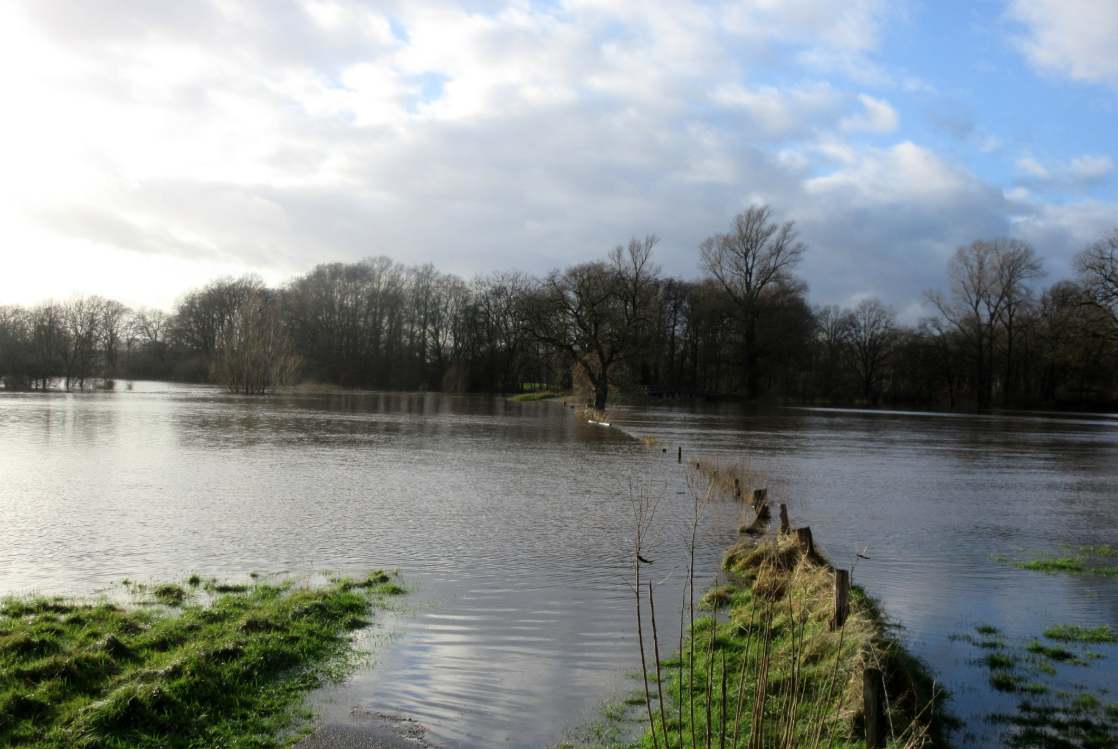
[[876, 117], [903, 173], [1074, 38], [1080, 173]]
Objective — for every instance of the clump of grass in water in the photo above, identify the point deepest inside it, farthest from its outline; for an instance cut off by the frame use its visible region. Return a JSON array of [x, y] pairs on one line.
[[1085, 562], [1072, 633], [232, 672]]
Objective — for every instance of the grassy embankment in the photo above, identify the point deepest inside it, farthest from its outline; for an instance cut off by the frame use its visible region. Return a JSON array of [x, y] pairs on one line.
[[762, 665], [219, 665]]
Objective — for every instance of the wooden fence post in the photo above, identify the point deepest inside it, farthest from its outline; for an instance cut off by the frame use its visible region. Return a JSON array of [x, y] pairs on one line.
[[737, 488], [759, 496], [807, 545], [842, 598], [679, 456], [873, 707], [785, 526]]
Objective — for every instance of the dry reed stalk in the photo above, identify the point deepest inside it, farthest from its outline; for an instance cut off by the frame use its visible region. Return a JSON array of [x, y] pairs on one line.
[[744, 665], [722, 710], [644, 515], [659, 680]]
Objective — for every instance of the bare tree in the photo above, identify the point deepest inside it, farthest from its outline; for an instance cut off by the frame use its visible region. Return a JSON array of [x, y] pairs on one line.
[[988, 278], [81, 319], [871, 333], [594, 312], [832, 329], [753, 263], [113, 331], [1098, 274], [253, 349]]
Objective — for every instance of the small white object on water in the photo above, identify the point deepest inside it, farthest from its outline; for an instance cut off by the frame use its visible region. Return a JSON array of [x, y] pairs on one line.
[[599, 423]]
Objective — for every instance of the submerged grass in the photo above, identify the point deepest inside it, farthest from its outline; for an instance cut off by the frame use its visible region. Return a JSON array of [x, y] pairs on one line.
[[1081, 560], [765, 668], [1051, 713], [228, 672]]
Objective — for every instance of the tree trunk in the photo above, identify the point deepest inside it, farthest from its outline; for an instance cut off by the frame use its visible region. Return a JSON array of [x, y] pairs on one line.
[[753, 381], [601, 392]]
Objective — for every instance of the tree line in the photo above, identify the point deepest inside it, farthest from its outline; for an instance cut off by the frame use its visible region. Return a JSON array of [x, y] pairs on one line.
[[614, 328]]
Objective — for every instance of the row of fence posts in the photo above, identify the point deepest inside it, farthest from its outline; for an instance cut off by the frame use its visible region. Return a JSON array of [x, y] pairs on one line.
[[874, 703]]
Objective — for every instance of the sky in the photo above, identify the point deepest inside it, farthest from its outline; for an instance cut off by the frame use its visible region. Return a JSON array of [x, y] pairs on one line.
[[149, 146]]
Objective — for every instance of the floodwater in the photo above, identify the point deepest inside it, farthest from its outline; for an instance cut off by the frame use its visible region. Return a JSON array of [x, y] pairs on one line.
[[513, 524]]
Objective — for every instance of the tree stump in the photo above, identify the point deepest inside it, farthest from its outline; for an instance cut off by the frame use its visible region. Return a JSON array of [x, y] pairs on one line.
[[785, 526]]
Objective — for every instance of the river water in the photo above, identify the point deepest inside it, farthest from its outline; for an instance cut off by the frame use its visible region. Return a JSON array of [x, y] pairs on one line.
[[513, 524]]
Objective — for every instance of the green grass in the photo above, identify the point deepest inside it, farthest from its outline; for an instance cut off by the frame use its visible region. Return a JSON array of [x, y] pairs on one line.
[[770, 623], [1072, 633], [228, 672], [1086, 560], [1052, 566], [1047, 717]]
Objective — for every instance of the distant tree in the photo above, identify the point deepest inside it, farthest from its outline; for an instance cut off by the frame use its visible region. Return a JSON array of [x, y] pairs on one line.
[[202, 314], [988, 280], [871, 334], [114, 330], [15, 340], [1098, 274], [254, 353], [832, 330], [148, 335], [82, 321], [753, 263], [47, 344], [595, 313]]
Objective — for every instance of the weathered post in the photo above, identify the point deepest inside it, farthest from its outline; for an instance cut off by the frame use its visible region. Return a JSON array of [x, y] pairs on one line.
[[873, 707], [737, 488], [785, 526], [759, 496], [679, 456], [803, 537], [842, 598]]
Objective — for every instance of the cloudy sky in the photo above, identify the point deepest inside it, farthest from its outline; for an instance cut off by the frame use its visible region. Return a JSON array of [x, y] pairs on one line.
[[149, 145]]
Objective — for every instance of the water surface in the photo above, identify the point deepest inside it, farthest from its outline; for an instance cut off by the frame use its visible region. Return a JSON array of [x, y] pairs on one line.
[[513, 523]]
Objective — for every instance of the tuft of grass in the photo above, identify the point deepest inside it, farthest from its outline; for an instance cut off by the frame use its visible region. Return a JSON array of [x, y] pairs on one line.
[[229, 672], [1058, 654], [1072, 633], [1052, 566]]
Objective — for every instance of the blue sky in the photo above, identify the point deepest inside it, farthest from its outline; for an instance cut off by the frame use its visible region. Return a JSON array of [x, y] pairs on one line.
[[148, 147]]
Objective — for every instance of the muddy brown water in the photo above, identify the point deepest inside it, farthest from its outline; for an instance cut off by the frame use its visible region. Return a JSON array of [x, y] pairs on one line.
[[512, 523]]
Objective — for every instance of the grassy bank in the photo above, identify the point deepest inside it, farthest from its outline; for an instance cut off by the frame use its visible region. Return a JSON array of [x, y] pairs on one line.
[[206, 668], [763, 667]]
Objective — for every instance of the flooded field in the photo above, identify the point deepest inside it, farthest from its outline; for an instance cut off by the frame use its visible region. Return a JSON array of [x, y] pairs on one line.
[[512, 522]]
